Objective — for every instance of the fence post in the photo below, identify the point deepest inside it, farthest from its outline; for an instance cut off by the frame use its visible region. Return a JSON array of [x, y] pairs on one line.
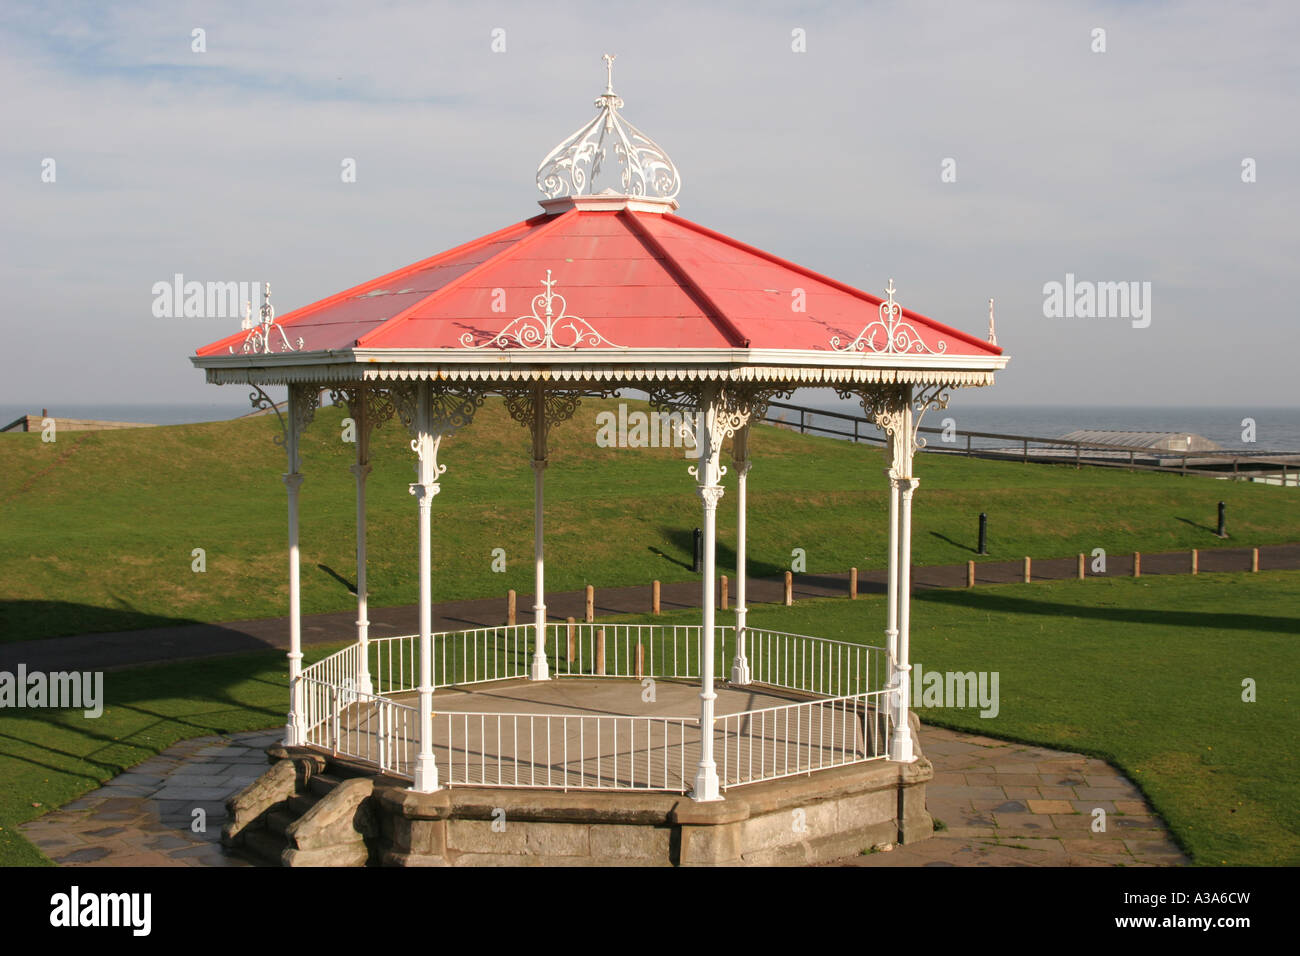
[[1027, 571], [654, 598], [1077, 453], [1131, 460], [853, 584], [570, 624], [1195, 561], [510, 607], [591, 604], [600, 651], [970, 574], [789, 589], [1254, 559], [1137, 564], [1082, 566], [1026, 449], [722, 591], [968, 446]]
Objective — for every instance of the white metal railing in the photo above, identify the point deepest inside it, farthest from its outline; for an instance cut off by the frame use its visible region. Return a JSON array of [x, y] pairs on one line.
[[792, 739], [363, 726], [814, 665], [634, 650], [847, 724], [474, 656], [569, 751]]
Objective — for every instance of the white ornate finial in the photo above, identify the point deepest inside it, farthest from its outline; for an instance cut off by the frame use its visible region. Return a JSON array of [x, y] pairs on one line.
[[632, 163], [993, 335], [609, 71], [257, 338]]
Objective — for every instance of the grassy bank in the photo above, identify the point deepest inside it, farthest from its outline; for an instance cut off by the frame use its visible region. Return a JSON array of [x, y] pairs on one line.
[[98, 529]]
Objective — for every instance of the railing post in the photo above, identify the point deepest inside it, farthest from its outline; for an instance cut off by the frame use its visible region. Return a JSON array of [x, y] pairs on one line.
[[591, 604], [600, 652], [789, 588], [570, 624], [722, 592], [654, 598], [853, 584], [1081, 567], [1028, 575], [510, 608]]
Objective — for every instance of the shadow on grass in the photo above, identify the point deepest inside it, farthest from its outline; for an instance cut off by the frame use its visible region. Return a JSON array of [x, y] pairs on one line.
[[21, 618], [955, 544], [1200, 527], [1006, 604]]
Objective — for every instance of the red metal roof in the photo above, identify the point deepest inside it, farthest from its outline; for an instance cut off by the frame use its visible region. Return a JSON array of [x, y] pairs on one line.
[[640, 279]]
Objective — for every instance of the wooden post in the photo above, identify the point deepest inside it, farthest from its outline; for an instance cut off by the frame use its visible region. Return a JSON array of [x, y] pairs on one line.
[[1137, 564], [510, 607], [970, 574], [853, 584], [640, 659], [591, 604], [572, 655], [722, 592], [654, 598], [1027, 572], [600, 651], [1195, 561], [1254, 559], [789, 589], [1077, 451], [1082, 566]]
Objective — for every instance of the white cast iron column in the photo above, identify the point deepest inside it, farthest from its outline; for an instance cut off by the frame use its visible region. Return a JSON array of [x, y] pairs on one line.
[[361, 421], [299, 410], [707, 475], [540, 668], [902, 485], [426, 447], [295, 730], [740, 673]]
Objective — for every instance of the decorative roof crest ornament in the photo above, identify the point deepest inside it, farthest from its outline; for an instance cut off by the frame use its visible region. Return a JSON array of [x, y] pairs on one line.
[[641, 168], [900, 336], [257, 339], [537, 331], [993, 335]]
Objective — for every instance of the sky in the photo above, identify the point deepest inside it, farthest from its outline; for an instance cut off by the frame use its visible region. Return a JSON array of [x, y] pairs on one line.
[[823, 133]]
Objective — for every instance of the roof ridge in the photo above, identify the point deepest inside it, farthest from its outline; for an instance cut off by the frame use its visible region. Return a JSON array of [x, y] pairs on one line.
[[720, 317], [527, 239], [835, 283]]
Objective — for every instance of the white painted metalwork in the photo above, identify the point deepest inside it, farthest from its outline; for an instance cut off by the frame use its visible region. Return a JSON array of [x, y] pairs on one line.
[[258, 335], [576, 166], [898, 335], [538, 330], [569, 751], [775, 742], [993, 335]]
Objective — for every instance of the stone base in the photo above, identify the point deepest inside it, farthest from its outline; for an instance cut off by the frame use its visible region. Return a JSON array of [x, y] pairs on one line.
[[811, 818]]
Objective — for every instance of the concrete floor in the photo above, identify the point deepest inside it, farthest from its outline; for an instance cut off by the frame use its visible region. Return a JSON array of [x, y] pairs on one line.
[[586, 732]]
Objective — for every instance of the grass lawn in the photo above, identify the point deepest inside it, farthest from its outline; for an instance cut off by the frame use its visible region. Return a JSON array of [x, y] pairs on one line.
[[97, 529], [1144, 673]]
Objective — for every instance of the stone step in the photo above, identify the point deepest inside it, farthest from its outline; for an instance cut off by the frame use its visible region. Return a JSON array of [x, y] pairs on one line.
[[322, 783], [278, 820], [265, 845]]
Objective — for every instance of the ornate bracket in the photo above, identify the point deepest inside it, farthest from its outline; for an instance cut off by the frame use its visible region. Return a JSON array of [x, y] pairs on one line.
[[369, 407], [898, 336], [897, 410], [718, 413], [449, 411], [558, 405]]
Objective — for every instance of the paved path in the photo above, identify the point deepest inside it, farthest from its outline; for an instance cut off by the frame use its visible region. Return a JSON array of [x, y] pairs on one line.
[[1002, 804], [1009, 804], [118, 649]]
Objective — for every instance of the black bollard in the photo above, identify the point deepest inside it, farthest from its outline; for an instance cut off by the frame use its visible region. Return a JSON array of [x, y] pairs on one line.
[[698, 564], [984, 533], [1223, 511]]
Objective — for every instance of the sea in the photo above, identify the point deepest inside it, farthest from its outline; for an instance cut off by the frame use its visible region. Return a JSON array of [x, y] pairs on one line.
[[1275, 429]]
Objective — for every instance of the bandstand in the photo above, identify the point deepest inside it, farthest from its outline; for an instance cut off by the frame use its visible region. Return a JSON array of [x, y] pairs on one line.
[[548, 724]]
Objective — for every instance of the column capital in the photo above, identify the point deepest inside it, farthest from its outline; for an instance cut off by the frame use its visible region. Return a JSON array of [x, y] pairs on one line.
[[292, 480], [424, 492], [360, 470], [710, 495]]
